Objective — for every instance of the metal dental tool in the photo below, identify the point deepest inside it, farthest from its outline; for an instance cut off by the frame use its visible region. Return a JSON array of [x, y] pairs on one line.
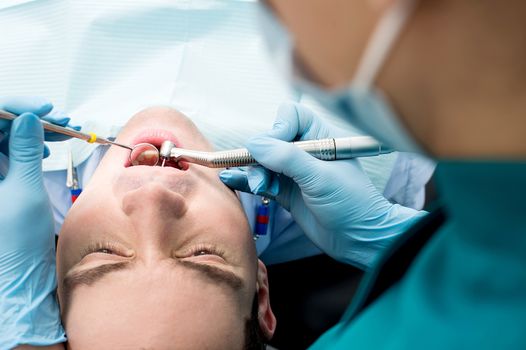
[[325, 149], [88, 137]]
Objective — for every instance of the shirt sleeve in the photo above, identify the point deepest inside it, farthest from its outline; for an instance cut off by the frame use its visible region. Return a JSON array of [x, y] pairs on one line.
[[284, 240], [59, 194], [406, 185]]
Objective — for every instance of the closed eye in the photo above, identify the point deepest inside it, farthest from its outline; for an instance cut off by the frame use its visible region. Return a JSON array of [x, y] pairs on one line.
[[202, 250], [108, 248]]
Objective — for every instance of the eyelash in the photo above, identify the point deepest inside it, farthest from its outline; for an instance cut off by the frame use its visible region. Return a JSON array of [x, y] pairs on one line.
[[206, 248], [112, 249], [99, 247]]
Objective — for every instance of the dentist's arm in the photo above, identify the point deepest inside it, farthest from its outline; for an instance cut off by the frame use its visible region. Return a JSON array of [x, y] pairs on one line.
[[334, 202], [29, 313]]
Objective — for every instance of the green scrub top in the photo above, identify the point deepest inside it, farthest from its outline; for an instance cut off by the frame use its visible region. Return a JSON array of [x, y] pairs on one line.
[[466, 288]]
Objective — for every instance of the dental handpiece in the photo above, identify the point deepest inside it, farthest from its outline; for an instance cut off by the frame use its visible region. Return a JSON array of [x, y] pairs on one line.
[[88, 137], [324, 149]]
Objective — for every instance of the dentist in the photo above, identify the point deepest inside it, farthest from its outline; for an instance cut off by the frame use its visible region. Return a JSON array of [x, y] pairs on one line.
[[439, 77]]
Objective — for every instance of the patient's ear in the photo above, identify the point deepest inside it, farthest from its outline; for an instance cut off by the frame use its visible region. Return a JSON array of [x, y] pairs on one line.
[[266, 318]]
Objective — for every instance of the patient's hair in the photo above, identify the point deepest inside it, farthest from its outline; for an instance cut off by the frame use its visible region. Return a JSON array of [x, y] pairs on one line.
[[254, 338]]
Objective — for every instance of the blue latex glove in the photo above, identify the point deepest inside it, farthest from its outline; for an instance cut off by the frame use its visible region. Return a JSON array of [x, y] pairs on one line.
[[334, 202], [38, 106], [29, 313]]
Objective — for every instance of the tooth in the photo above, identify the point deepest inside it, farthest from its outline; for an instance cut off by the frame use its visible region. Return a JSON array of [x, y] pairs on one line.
[[138, 160], [150, 153], [148, 157]]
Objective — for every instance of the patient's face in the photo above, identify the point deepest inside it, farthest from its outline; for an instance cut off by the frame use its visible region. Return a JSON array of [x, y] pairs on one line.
[[157, 258]]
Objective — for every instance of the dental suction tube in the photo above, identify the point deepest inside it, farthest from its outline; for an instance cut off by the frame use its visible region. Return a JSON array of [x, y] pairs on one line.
[[324, 149]]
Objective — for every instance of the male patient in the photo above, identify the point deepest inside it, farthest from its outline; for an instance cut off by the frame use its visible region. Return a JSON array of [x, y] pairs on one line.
[[160, 258]]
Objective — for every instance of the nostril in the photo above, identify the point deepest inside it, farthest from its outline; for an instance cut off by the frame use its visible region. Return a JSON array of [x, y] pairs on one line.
[[144, 154]]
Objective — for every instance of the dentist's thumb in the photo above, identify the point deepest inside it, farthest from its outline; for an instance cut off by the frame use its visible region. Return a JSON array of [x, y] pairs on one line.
[[26, 145]]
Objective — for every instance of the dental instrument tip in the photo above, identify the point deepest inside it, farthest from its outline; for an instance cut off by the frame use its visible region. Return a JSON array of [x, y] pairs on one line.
[[120, 145], [163, 162]]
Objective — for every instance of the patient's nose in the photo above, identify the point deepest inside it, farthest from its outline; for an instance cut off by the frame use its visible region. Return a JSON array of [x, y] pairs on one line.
[[154, 210]]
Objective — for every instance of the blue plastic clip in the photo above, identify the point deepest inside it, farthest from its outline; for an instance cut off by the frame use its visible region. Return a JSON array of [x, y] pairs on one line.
[[262, 218]]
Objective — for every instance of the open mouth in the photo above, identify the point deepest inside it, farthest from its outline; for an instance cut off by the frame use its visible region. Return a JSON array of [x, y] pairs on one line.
[[146, 147]]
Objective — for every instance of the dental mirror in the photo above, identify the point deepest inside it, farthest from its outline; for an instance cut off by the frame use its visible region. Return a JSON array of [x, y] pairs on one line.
[[144, 154]]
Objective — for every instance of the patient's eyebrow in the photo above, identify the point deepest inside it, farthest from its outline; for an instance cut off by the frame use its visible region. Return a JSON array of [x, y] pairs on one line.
[[87, 278], [215, 274], [90, 276]]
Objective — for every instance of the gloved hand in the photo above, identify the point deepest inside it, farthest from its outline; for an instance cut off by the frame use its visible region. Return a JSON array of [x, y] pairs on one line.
[[29, 312], [334, 202], [38, 106]]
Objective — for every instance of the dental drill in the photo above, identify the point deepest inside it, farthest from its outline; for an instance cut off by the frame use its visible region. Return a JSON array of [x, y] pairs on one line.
[[324, 149]]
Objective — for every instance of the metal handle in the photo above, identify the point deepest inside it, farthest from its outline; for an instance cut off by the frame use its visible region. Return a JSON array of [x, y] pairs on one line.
[[231, 158], [324, 149], [90, 138], [358, 146], [321, 149], [51, 127]]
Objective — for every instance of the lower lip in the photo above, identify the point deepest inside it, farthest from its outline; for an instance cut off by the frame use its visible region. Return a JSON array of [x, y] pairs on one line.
[[155, 137]]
